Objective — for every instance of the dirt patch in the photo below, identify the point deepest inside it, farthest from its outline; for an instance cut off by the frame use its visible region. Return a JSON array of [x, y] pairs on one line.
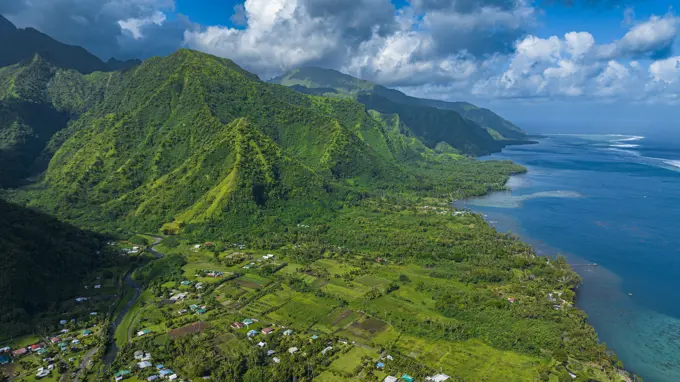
[[344, 315], [248, 284], [371, 325], [196, 327]]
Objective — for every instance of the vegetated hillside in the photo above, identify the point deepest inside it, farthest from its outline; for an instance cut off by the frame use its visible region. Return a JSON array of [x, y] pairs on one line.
[[42, 260], [320, 81], [37, 100], [189, 138]]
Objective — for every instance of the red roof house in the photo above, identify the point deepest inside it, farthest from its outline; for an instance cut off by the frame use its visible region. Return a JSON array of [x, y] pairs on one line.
[[267, 330], [54, 340], [237, 325], [35, 347], [19, 352]]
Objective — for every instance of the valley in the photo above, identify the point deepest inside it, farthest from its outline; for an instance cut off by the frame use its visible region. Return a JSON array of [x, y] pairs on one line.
[[179, 218]]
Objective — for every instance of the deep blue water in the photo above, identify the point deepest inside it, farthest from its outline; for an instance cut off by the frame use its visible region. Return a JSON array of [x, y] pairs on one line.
[[614, 201]]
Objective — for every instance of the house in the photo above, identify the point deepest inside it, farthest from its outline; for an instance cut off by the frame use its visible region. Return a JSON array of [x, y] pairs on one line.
[[248, 322], [185, 282], [182, 311], [511, 300], [328, 348], [98, 286], [160, 366], [5, 349], [390, 378], [143, 332], [93, 313], [252, 333], [172, 377], [261, 344], [270, 352], [380, 365], [147, 357], [197, 246], [314, 337], [179, 296], [276, 360], [63, 331], [42, 351], [407, 378], [53, 340], [4, 360], [86, 333], [288, 332], [75, 342], [266, 331], [237, 325], [81, 299], [389, 357], [152, 378], [63, 322], [199, 286], [166, 373], [193, 307], [139, 354], [122, 374], [42, 372], [293, 350], [35, 347], [144, 364], [438, 378], [200, 311]]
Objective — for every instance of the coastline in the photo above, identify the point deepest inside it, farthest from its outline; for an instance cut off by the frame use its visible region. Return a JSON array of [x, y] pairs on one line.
[[593, 277]]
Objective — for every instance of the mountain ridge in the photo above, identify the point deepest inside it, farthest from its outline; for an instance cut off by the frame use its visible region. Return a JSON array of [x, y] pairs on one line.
[[18, 45], [322, 81]]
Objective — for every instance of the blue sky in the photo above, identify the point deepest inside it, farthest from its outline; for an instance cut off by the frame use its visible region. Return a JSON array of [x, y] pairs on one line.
[[604, 64]]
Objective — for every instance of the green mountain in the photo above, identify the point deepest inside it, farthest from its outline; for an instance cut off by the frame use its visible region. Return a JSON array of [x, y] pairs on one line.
[[320, 81], [186, 139], [43, 261], [37, 100]]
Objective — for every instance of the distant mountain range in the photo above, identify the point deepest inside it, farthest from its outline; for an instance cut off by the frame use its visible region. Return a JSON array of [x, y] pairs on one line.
[[17, 45], [330, 82]]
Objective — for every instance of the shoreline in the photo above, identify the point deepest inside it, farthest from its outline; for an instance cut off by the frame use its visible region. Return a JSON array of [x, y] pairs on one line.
[[595, 276]]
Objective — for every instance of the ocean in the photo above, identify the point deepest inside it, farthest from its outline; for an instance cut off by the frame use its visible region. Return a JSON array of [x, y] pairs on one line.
[[614, 201]]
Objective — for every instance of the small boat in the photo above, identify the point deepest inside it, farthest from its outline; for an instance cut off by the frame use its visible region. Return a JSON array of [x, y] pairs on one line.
[[630, 294]]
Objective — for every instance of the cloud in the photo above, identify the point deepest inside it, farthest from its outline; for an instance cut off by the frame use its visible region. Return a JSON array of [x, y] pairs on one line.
[[666, 71], [653, 38], [369, 36], [134, 25]]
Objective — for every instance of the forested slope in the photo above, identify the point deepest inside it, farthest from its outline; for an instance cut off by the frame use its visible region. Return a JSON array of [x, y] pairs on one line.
[[43, 261]]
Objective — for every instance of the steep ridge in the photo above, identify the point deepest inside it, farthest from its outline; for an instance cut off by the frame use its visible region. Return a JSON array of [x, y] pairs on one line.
[[318, 81], [37, 100]]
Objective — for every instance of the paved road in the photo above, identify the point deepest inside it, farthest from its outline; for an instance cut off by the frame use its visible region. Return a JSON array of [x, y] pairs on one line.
[[110, 355]]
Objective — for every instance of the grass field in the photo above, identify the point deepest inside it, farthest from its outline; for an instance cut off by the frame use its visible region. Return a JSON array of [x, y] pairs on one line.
[[350, 360]]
